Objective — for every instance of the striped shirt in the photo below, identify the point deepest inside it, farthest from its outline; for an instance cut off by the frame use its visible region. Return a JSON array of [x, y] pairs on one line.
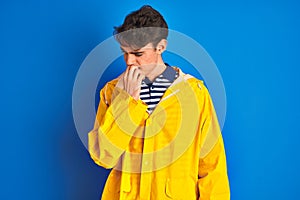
[[152, 92]]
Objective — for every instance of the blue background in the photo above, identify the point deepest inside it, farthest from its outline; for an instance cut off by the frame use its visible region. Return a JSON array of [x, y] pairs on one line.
[[255, 45]]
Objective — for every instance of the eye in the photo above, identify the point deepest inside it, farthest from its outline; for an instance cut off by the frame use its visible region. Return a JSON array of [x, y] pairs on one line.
[[138, 54]]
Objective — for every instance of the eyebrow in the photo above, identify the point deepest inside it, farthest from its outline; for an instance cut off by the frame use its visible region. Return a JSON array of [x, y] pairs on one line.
[[134, 51]]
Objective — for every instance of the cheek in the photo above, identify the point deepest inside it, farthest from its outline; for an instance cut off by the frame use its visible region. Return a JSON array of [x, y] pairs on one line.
[[147, 59]]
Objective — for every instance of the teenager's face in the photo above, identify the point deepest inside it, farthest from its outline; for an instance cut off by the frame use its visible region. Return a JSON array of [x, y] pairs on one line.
[[146, 58]]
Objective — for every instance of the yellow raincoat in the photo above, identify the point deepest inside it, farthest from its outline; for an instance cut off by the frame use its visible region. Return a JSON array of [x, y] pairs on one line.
[[176, 152]]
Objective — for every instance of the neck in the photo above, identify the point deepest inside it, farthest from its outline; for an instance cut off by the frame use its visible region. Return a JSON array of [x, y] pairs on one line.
[[157, 70], [160, 68]]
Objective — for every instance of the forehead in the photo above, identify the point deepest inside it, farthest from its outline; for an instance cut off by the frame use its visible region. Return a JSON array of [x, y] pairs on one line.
[[132, 49]]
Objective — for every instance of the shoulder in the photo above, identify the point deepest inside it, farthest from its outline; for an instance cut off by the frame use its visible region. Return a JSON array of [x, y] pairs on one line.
[[107, 90], [196, 84], [110, 85], [199, 88]]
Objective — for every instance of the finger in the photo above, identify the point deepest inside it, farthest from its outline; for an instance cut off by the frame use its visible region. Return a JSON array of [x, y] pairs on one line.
[[131, 72], [141, 77], [126, 72], [129, 78], [125, 78], [136, 74]]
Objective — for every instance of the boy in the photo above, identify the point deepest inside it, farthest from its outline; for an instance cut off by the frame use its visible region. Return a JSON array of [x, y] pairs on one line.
[[156, 126]]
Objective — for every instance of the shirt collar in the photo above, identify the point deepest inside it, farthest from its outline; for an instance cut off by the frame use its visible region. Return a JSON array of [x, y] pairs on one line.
[[169, 73]]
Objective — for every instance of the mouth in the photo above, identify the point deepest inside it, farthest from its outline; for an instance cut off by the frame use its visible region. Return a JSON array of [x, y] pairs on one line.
[[129, 67]]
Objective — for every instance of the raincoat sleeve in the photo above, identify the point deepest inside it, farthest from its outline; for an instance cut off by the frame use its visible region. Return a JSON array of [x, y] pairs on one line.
[[117, 118], [212, 175]]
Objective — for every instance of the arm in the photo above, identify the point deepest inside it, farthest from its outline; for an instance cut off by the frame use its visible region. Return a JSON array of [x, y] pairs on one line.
[[115, 125], [213, 180]]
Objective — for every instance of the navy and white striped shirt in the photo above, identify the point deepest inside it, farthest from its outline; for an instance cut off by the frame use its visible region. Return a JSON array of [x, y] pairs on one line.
[[152, 92]]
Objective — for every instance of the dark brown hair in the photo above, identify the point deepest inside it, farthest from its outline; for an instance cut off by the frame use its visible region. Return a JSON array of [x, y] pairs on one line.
[[141, 27]]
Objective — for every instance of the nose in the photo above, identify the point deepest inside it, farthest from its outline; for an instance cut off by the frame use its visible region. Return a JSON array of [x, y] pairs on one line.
[[129, 59]]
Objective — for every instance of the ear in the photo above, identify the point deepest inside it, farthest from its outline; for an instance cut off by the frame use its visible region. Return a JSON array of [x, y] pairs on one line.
[[161, 46]]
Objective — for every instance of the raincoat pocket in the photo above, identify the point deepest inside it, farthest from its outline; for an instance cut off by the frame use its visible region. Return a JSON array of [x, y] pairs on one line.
[[117, 182], [181, 189]]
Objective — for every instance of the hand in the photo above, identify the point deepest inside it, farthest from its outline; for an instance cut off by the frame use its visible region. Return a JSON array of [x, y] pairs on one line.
[[132, 81]]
